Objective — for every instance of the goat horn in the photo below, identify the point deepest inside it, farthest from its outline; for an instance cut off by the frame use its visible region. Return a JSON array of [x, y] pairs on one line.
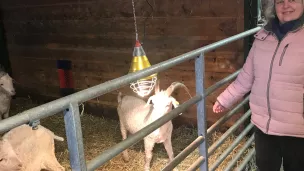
[[157, 86], [174, 86]]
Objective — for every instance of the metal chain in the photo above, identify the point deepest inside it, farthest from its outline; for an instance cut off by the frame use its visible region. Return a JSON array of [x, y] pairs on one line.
[[136, 33], [258, 20], [261, 21]]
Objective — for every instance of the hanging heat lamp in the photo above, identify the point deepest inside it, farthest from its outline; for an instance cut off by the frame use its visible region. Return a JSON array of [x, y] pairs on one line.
[[144, 86]]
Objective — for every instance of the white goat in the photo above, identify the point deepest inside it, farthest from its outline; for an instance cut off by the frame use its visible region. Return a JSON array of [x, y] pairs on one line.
[[134, 114], [25, 149], [6, 92]]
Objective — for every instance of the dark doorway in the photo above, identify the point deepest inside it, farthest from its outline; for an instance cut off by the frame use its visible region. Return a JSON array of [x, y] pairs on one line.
[[4, 56], [250, 22]]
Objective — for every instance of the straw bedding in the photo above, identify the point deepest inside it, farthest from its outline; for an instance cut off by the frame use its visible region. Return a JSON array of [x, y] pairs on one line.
[[101, 133]]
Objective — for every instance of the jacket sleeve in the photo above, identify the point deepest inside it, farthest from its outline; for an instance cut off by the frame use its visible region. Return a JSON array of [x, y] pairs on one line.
[[242, 84]]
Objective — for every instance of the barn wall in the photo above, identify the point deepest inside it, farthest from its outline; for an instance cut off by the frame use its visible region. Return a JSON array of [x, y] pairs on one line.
[[98, 37]]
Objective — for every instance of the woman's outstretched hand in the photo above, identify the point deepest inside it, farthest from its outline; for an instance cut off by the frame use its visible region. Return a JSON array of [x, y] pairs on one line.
[[218, 108]]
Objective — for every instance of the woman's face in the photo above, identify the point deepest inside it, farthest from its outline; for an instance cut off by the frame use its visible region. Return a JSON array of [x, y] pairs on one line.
[[288, 10]]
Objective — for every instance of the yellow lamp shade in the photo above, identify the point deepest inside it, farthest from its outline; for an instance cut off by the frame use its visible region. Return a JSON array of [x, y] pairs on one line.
[[140, 61]]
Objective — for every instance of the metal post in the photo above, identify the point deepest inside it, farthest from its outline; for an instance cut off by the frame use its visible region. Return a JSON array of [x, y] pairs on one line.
[[250, 21], [4, 60], [74, 138], [201, 110]]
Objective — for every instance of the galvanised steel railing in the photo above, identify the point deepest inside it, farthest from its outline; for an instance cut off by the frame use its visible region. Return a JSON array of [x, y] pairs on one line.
[[69, 104]]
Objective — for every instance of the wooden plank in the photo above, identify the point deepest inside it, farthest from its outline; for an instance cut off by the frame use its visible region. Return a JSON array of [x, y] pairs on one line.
[[214, 65], [111, 66], [101, 63], [82, 80], [37, 87], [110, 99], [240, 9], [113, 69], [240, 28], [121, 26], [87, 75], [91, 9], [102, 54], [35, 4], [90, 74], [96, 54], [180, 43], [59, 11], [224, 8]]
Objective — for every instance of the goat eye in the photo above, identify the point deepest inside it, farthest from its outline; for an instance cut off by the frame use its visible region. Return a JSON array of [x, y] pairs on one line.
[[1, 84], [1, 159]]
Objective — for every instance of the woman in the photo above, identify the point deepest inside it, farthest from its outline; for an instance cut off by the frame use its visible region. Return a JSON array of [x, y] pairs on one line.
[[274, 73]]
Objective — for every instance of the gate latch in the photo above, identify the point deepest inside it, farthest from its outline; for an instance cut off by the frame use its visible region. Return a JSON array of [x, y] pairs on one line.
[[34, 124]]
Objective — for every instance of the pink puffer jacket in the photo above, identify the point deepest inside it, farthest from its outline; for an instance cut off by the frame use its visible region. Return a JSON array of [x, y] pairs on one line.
[[274, 72]]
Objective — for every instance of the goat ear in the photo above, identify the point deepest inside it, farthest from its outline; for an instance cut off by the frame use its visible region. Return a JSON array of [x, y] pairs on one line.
[[149, 101], [174, 102]]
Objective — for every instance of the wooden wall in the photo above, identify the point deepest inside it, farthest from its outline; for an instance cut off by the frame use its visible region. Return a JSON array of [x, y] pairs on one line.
[[98, 37]]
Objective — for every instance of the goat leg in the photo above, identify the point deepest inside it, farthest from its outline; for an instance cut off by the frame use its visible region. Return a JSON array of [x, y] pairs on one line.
[[123, 131], [52, 164], [6, 115], [34, 166], [168, 146], [149, 145]]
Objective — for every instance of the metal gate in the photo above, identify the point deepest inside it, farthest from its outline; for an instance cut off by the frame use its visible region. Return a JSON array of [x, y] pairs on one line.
[[69, 104]]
